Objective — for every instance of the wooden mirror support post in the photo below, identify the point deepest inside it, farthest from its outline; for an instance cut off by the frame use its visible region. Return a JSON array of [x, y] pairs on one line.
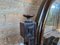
[[27, 30]]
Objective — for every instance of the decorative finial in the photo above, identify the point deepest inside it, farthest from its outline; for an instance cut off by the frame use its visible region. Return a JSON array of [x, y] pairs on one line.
[[28, 16]]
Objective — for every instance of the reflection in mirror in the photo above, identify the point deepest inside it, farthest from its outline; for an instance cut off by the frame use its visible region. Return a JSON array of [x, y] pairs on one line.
[[52, 26]]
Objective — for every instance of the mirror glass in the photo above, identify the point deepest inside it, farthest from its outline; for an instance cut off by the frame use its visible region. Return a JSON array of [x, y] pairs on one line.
[[52, 25]]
